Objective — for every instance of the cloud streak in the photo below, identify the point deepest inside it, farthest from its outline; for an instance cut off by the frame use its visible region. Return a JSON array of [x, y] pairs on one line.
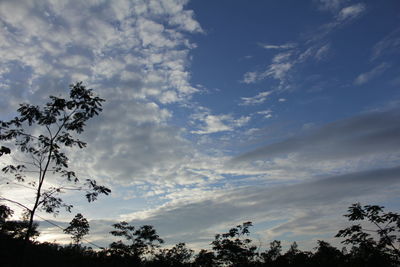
[[367, 76], [371, 133], [255, 100]]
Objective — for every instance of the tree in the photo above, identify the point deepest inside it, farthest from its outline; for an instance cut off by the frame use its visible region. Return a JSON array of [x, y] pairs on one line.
[[143, 241], [14, 228], [327, 255], [382, 239], [43, 135], [233, 248], [205, 259], [179, 255], [78, 228], [274, 252]]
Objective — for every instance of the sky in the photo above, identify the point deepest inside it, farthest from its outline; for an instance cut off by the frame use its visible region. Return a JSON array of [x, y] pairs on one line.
[[282, 113]]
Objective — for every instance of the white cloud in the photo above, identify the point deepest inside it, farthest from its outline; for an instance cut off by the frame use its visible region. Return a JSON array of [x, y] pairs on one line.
[[351, 12], [135, 54], [266, 113], [210, 123], [367, 76], [278, 69], [330, 5], [283, 46], [322, 52], [390, 44], [257, 99], [250, 77]]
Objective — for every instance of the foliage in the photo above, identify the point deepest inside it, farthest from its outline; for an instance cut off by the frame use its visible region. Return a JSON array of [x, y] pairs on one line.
[[179, 255], [381, 240], [273, 253], [233, 248], [78, 228], [143, 240], [205, 258], [14, 228], [143, 250], [43, 134]]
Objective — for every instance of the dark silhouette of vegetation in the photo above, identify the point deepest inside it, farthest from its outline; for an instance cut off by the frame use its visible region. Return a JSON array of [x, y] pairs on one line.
[[143, 241], [233, 248], [78, 228], [378, 239], [42, 136]]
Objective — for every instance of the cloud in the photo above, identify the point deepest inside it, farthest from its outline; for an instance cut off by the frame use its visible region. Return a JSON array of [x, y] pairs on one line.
[[284, 63], [218, 123], [283, 46], [330, 5], [390, 44], [322, 52], [194, 219], [312, 208], [257, 99], [135, 54], [266, 113], [367, 134], [351, 12], [367, 76], [278, 69]]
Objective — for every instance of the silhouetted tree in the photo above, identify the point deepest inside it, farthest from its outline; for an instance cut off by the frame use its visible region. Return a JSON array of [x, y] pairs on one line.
[[5, 213], [143, 240], [78, 228], [271, 256], [295, 257], [179, 255], [43, 134], [233, 248], [14, 228], [381, 240], [327, 255], [205, 259]]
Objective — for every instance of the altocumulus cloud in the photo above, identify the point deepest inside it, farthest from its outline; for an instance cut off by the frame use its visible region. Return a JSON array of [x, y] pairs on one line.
[[134, 53]]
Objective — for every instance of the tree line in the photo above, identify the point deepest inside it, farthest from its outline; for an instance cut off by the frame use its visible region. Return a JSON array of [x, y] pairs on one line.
[[142, 246]]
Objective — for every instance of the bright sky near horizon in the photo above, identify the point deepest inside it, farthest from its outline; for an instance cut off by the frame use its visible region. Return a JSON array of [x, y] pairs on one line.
[[282, 113]]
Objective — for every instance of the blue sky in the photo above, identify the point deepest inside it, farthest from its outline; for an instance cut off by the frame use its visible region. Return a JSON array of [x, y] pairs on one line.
[[218, 112]]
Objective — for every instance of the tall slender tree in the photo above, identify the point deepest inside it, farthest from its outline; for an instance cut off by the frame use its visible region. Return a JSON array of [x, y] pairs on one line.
[[39, 138]]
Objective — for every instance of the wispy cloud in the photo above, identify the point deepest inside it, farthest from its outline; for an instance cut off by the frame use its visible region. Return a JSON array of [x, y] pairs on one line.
[[322, 52], [257, 99], [390, 44], [280, 66], [315, 48], [367, 76], [283, 46], [266, 113], [351, 12], [218, 123], [330, 5], [368, 134]]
